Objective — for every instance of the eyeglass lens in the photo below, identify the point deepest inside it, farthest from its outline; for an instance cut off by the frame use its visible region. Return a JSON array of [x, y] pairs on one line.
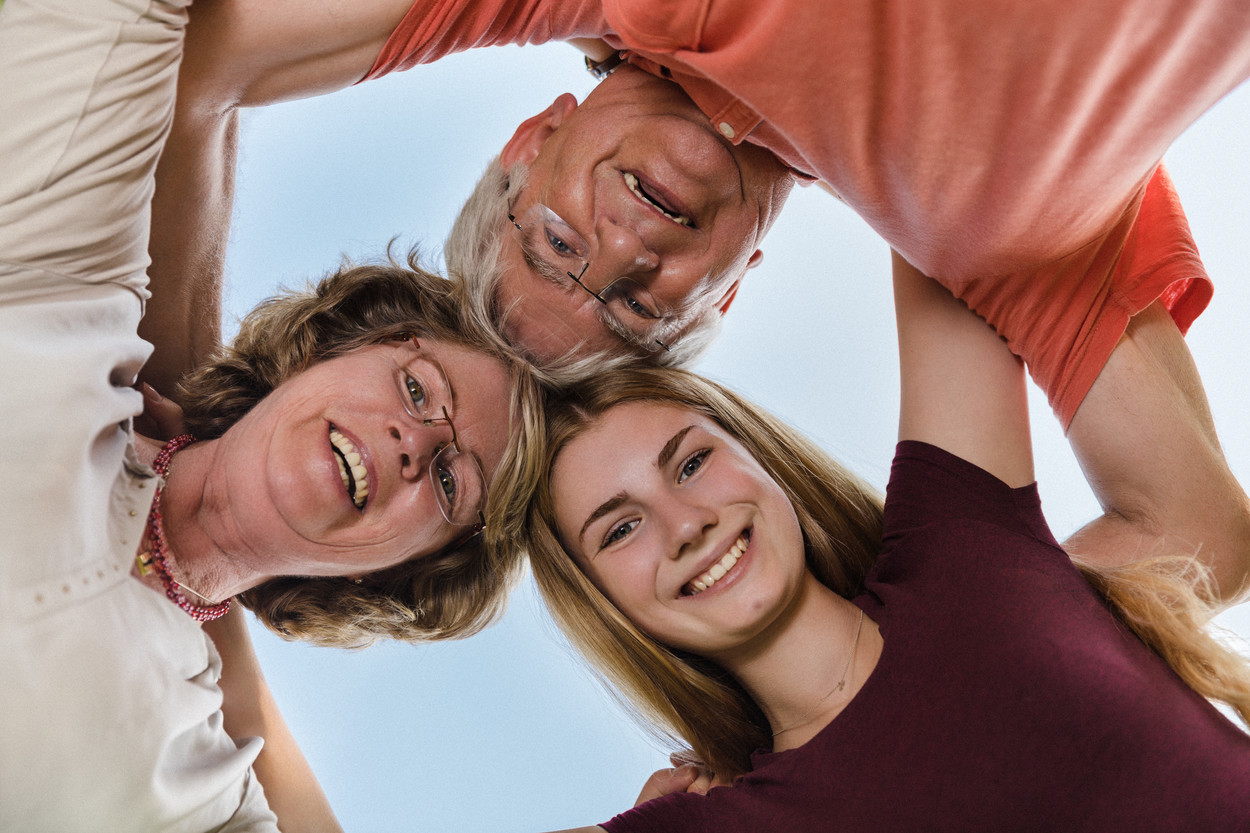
[[561, 250]]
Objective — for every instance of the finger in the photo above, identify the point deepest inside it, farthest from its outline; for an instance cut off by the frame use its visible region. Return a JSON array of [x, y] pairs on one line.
[[702, 783], [666, 781], [163, 417]]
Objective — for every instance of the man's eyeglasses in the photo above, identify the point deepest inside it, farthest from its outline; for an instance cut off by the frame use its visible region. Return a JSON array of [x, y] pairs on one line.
[[554, 249]]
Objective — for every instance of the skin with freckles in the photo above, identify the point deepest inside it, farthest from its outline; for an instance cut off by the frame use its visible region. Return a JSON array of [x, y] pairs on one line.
[[269, 496], [658, 195], [650, 498]]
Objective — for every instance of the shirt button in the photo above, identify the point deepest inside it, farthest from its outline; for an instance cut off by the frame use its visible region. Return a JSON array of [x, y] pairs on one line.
[[726, 129]]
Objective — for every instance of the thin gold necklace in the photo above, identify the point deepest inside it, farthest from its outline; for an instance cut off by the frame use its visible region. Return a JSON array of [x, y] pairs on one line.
[[841, 683]]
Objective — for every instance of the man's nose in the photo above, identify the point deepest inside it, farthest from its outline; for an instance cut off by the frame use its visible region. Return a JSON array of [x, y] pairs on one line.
[[622, 253]]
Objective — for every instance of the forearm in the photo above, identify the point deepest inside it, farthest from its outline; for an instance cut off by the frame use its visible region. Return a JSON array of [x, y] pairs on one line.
[[190, 226], [249, 710], [236, 54], [1146, 441], [962, 389]]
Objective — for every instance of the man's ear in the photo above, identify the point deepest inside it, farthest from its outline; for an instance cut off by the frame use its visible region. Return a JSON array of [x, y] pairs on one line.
[[532, 134], [728, 298]]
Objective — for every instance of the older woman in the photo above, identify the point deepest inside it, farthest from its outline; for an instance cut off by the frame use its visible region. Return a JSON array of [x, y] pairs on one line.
[[346, 430], [349, 437]]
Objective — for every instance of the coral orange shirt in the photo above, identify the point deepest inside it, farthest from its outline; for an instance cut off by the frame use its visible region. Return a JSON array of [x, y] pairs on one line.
[[1002, 146]]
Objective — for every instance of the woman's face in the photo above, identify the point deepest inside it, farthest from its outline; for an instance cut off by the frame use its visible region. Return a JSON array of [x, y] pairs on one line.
[[330, 474], [677, 524]]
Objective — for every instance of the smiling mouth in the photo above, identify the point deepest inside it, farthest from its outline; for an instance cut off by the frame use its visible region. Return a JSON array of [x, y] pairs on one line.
[[631, 182], [351, 468], [720, 569]]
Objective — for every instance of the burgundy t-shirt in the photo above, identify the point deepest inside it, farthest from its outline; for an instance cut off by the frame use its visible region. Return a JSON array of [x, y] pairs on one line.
[[1007, 696]]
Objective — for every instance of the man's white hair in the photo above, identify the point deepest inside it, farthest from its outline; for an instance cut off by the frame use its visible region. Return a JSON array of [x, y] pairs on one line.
[[472, 255]]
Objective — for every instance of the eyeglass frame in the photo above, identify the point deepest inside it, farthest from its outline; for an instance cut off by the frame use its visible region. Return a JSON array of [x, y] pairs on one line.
[[455, 443], [431, 471], [577, 279]]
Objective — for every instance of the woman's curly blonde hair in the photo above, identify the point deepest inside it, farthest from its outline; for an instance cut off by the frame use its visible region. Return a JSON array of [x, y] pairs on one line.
[[450, 594]]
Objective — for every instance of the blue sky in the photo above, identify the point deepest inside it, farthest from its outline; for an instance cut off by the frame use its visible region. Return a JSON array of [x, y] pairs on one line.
[[507, 731]]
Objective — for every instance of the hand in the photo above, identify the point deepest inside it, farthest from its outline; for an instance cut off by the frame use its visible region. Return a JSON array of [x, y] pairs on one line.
[[161, 418], [687, 775]]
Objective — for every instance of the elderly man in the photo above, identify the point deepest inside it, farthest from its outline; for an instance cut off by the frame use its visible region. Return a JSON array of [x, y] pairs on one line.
[[986, 142], [1007, 149]]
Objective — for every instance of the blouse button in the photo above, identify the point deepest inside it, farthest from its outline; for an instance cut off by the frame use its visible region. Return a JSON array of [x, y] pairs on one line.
[[726, 129]]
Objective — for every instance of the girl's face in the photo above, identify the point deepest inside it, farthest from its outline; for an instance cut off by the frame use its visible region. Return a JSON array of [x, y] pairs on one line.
[[677, 524]]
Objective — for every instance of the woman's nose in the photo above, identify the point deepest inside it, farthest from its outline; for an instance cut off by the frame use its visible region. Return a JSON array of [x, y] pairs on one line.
[[417, 445]]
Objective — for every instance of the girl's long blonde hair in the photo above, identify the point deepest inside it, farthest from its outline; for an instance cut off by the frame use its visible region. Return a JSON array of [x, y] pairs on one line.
[[692, 702]]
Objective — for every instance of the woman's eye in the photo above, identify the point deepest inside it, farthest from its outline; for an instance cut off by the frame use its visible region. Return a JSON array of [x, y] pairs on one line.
[[447, 483], [693, 463], [618, 532], [416, 391]]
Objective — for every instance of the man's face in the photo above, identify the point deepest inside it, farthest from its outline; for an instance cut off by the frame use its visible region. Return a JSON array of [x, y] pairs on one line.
[[636, 183]]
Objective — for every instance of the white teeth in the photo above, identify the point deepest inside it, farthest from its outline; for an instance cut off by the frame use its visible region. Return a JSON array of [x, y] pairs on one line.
[[718, 570], [347, 481], [351, 468], [632, 182]]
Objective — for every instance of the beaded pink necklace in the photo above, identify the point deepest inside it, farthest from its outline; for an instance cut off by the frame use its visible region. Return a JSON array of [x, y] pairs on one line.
[[156, 559]]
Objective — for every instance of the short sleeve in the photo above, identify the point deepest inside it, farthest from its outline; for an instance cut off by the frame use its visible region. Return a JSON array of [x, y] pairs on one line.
[[931, 486]]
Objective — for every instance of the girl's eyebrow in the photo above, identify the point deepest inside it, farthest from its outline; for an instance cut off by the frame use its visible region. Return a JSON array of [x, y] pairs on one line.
[[670, 447], [604, 508], [614, 502]]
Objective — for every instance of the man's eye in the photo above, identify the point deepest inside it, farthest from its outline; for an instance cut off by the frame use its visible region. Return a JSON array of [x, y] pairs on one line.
[[559, 246], [692, 464], [638, 308], [619, 532]]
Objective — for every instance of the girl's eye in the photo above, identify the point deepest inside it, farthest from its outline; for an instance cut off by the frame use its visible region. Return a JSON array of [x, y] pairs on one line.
[[693, 463], [619, 532], [416, 391]]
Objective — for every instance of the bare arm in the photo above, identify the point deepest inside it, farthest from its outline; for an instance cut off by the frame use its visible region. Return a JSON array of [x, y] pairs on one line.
[[1146, 441], [237, 54], [294, 794], [962, 388]]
